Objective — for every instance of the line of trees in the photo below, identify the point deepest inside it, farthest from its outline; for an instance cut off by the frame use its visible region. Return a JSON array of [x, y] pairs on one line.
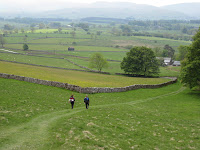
[[181, 25], [27, 20]]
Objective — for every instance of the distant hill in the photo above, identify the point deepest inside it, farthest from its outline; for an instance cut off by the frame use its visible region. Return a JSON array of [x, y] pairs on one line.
[[104, 20], [190, 9], [118, 10]]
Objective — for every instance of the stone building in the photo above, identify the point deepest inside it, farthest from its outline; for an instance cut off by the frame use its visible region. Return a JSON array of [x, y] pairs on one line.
[[71, 49]]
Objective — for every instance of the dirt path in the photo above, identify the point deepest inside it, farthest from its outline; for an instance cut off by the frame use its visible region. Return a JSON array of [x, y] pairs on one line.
[[34, 134]]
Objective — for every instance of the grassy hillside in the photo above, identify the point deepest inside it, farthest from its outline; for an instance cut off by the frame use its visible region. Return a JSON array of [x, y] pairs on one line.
[[190, 9], [39, 117]]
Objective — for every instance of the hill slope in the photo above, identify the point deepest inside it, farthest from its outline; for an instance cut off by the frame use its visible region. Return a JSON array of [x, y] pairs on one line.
[[98, 9], [117, 10], [190, 9], [39, 117]]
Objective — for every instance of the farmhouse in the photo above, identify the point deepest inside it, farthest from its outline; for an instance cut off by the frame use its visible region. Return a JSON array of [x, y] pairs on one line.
[[69, 26], [70, 48], [176, 63], [167, 61]]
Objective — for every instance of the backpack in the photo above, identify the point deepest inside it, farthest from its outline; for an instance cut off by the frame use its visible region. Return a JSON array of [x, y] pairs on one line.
[[86, 100], [71, 99]]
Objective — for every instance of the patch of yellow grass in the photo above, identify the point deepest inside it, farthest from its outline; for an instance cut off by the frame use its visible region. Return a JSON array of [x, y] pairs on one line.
[[83, 79]]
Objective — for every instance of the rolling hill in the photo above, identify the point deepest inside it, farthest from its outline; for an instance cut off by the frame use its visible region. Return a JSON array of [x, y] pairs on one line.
[[117, 10], [120, 10], [189, 9]]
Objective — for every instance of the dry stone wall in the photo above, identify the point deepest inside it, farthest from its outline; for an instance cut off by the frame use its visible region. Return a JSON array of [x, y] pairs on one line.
[[87, 90]]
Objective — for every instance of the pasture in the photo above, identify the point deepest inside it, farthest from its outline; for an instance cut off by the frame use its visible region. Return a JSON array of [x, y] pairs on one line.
[[50, 43], [39, 117], [57, 59], [106, 39], [55, 62], [83, 79]]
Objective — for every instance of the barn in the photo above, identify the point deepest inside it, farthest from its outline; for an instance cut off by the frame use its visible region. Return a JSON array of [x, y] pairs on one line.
[[176, 63], [70, 48]]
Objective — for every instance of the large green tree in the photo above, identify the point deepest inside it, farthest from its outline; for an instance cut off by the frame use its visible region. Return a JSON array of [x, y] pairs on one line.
[[140, 61], [190, 66], [170, 51], [182, 52], [98, 61]]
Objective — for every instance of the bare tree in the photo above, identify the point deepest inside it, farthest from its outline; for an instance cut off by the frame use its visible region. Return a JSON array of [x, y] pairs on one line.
[[98, 61], [32, 29]]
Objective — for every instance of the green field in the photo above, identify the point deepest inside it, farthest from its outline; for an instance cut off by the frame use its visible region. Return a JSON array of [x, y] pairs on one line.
[[114, 67], [58, 40], [148, 41], [39, 117], [45, 36], [45, 42], [38, 60], [83, 79], [170, 71], [57, 47]]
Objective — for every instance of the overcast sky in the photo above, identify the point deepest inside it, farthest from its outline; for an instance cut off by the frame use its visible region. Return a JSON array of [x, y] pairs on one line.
[[55, 4]]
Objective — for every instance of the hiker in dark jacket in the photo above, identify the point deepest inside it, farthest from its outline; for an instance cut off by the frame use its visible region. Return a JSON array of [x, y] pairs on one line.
[[86, 101], [72, 100]]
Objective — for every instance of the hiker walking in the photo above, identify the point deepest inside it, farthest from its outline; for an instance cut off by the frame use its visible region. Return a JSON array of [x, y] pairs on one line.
[[86, 101], [72, 100]]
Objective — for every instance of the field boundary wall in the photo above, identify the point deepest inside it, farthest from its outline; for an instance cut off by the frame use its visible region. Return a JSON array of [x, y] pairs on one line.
[[87, 90]]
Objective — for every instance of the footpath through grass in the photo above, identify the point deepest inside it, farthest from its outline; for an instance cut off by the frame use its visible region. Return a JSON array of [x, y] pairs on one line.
[[83, 79], [38, 117]]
